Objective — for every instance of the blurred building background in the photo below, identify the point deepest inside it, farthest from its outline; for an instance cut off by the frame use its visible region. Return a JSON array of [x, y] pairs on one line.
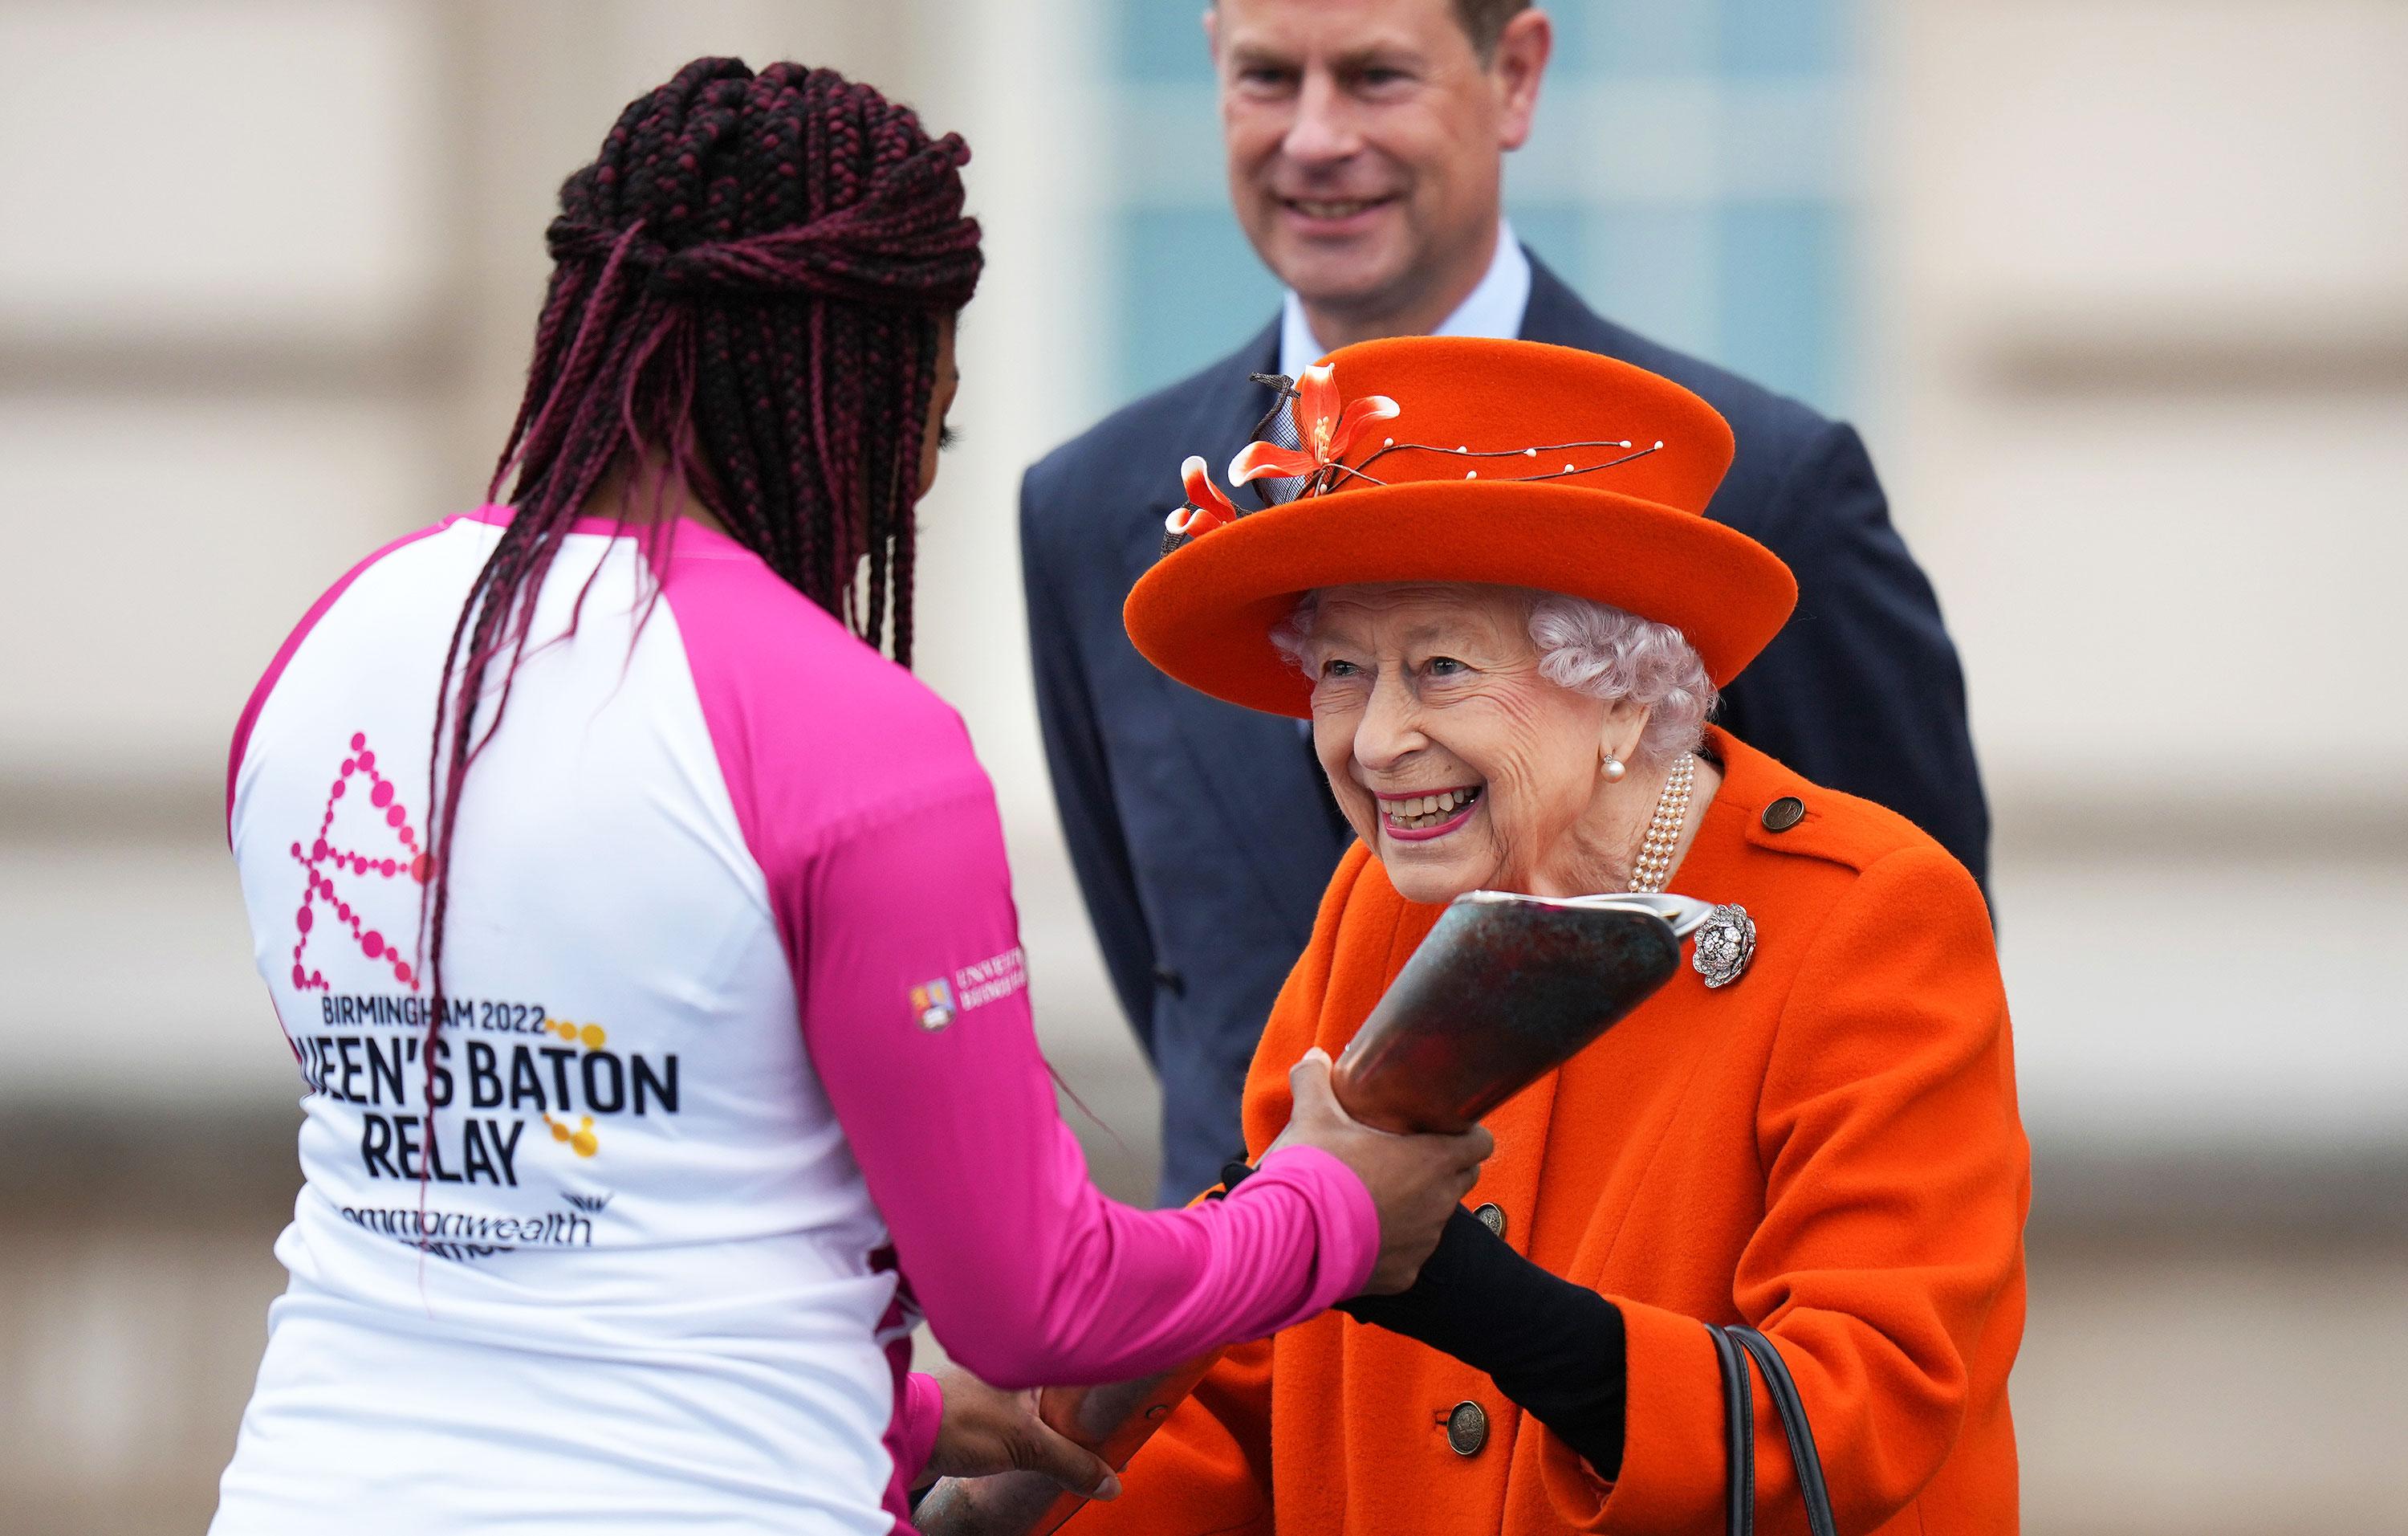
[[2119, 290]]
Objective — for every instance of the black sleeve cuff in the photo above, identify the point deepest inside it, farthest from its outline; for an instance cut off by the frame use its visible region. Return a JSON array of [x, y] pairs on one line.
[[1554, 1349]]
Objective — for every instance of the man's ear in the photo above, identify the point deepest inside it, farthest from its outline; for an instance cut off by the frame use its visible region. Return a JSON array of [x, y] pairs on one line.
[[1523, 50], [1212, 34]]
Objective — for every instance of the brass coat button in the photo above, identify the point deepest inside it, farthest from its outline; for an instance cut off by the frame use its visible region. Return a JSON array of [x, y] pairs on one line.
[[1467, 1429], [1784, 814], [1491, 1216]]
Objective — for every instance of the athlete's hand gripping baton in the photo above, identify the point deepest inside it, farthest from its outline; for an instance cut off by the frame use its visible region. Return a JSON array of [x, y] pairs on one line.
[[1505, 989]]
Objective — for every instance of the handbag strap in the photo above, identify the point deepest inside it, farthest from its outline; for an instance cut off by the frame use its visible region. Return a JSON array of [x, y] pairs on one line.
[[1734, 1346], [1792, 1409], [1739, 1435]]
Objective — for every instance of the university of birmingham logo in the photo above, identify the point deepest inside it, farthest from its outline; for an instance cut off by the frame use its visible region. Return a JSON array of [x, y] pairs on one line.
[[933, 1002]]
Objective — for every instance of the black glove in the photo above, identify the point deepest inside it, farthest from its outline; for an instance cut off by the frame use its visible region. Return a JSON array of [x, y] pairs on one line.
[[1554, 1349]]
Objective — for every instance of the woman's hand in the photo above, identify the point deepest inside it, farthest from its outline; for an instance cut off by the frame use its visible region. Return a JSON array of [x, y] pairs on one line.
[[1416, 1181], [985, 1431]]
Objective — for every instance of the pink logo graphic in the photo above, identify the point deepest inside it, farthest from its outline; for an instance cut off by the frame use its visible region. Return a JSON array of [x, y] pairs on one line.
[[322, 860]]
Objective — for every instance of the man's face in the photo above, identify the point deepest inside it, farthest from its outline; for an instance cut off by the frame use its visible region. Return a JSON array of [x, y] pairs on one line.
[[1366, 140]]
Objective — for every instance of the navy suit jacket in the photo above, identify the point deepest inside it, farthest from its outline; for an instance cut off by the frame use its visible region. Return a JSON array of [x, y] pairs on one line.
[[1200, 830]]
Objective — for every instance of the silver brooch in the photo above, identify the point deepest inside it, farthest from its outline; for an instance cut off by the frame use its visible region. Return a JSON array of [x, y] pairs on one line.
[[1724, 944]]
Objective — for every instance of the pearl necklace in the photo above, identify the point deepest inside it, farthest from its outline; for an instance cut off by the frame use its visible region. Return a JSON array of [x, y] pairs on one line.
[[1664, 828]]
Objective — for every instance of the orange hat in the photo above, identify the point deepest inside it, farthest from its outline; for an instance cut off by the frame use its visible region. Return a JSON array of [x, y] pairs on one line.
[[1462, 459]]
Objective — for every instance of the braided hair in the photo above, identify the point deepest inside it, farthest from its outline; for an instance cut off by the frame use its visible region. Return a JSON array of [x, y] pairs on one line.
[[750, 284]]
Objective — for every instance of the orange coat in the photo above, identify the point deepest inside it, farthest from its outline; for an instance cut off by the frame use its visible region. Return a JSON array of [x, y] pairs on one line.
[[1828, 1148]]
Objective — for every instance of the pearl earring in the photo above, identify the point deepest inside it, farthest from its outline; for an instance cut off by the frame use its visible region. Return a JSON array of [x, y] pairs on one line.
[[1613, 769]]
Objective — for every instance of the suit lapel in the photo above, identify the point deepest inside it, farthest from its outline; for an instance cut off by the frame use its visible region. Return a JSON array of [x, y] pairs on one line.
[[1254, 770], [1221, 423], [1557, 315]]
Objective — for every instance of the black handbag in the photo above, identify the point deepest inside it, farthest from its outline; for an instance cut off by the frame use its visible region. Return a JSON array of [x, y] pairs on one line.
[[1734, 1346]]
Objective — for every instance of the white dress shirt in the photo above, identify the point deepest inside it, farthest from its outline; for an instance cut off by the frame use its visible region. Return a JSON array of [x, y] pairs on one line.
[[1493, 309]]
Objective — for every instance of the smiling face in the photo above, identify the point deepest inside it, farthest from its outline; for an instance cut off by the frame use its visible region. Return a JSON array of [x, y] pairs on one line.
[[1460, 765], [1365, 142]]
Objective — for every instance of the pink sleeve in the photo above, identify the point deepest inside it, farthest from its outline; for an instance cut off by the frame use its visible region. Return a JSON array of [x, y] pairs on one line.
[[859, 797], [916, 1013], [912, 1435]]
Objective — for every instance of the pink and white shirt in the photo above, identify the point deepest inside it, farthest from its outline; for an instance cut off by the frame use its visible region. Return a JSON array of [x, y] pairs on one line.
[[737, 1079]]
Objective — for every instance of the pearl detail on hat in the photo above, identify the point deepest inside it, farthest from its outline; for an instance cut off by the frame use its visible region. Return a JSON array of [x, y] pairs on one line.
[[1196, 616], [1654, 866], [1340, 472]]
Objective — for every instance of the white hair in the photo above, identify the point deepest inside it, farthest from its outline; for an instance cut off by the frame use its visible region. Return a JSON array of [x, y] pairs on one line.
[[1591, 649]]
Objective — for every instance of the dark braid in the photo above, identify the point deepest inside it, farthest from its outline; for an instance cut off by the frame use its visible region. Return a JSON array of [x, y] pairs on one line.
[[750, 282]]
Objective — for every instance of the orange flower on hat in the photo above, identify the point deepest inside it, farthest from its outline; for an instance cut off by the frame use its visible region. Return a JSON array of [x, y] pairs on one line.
[[1206, 508], [1323, 428]]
